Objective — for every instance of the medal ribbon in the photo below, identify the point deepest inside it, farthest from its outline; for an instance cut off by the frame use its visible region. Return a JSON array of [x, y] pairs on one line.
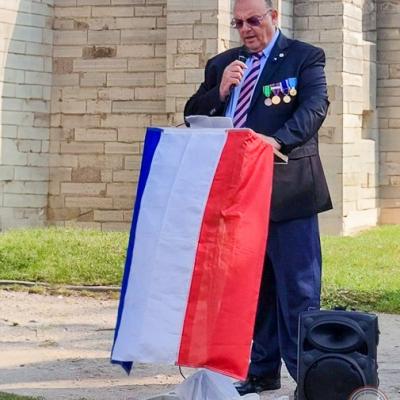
[[276, 88], [285, 87], [267, 91], [292, 83]]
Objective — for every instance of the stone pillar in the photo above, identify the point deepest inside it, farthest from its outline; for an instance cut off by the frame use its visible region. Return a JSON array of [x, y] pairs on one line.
[[368, 202], [348, 157], [25, 89], [388, 22]]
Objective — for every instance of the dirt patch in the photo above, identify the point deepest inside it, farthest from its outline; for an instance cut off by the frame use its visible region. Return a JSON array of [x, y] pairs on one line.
[[58, 347]]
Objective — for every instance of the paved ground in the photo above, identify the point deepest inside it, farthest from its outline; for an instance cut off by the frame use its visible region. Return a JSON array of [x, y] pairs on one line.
[[59, 347]]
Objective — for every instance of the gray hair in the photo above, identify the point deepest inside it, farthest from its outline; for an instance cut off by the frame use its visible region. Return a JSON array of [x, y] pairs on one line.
[[268, 3]]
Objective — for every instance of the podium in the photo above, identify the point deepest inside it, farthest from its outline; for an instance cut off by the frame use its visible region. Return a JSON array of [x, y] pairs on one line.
[[196, 250]]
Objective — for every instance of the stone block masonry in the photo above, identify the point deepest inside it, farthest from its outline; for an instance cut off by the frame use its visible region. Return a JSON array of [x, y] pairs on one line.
[[109, 85], [25, 93], [120, 66]]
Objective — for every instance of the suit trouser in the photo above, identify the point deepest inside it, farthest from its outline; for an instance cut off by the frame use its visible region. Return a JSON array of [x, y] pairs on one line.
[[291, 283]]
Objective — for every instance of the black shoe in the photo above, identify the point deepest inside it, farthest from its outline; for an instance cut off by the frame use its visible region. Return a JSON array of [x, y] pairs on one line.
[[258, 384]]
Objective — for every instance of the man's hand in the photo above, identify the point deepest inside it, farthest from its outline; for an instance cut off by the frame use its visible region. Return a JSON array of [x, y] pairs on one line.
[[270, 140], [232, 76]]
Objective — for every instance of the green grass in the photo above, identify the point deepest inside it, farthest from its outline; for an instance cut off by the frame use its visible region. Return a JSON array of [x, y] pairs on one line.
[[362, 272], [63, 256], [9, 396]]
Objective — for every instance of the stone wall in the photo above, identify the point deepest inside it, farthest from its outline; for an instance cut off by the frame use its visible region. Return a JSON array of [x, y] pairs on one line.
[[108, 85], [389, 108], [25, 90]]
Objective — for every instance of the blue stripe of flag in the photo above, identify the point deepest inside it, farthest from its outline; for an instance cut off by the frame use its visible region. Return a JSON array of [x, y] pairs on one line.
[[152, 139]]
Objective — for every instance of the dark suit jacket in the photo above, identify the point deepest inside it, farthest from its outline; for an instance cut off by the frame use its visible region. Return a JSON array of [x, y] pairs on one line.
[[299, 188]]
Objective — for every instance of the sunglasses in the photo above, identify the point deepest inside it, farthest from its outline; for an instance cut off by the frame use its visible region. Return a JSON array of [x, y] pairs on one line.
[[255, 20]]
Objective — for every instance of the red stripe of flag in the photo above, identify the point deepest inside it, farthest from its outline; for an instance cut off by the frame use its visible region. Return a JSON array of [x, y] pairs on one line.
[[219, 321]]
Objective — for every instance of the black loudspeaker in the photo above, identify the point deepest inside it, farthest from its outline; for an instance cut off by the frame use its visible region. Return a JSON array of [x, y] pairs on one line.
[[337, 354]]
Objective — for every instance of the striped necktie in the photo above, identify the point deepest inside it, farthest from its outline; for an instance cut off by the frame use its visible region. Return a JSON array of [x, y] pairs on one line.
[[246, 91]]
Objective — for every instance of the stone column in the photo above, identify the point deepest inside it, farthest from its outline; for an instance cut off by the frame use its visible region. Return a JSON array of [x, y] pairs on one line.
[[388, 22], [25, 88], [348, 157]]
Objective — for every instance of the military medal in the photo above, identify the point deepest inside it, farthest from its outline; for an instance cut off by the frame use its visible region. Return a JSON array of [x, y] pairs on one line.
[[292, 84], [285, 90], [276, 100], [267, 92], [268, 102], [276, 88]]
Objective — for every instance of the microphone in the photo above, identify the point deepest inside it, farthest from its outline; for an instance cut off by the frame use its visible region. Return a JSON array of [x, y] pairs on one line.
[[243, 54]]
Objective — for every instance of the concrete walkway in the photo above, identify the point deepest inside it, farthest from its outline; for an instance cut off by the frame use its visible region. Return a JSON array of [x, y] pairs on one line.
[[59, 347]]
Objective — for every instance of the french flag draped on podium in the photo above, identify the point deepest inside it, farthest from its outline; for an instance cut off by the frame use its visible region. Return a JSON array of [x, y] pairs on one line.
[[196, 249]]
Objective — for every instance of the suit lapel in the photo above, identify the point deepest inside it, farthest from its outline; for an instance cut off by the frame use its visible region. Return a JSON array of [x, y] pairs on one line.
[[271, 66]]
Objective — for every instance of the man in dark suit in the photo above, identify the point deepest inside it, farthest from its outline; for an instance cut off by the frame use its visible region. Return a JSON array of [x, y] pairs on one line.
[[279, 91]]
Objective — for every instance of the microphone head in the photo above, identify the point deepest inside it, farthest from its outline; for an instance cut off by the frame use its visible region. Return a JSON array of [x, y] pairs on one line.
[[243, 54]]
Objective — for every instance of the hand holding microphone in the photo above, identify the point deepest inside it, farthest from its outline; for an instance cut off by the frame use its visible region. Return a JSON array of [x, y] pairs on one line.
[[232, 75]]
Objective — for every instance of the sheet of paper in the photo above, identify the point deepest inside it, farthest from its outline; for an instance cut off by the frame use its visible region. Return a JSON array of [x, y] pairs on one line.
[[203, 121]]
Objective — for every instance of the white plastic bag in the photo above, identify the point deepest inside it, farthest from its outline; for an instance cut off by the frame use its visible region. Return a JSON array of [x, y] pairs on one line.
[[208, 385]]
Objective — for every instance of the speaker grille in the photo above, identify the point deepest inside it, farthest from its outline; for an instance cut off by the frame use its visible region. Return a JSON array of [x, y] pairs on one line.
[[332, 378], [336, 336]]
